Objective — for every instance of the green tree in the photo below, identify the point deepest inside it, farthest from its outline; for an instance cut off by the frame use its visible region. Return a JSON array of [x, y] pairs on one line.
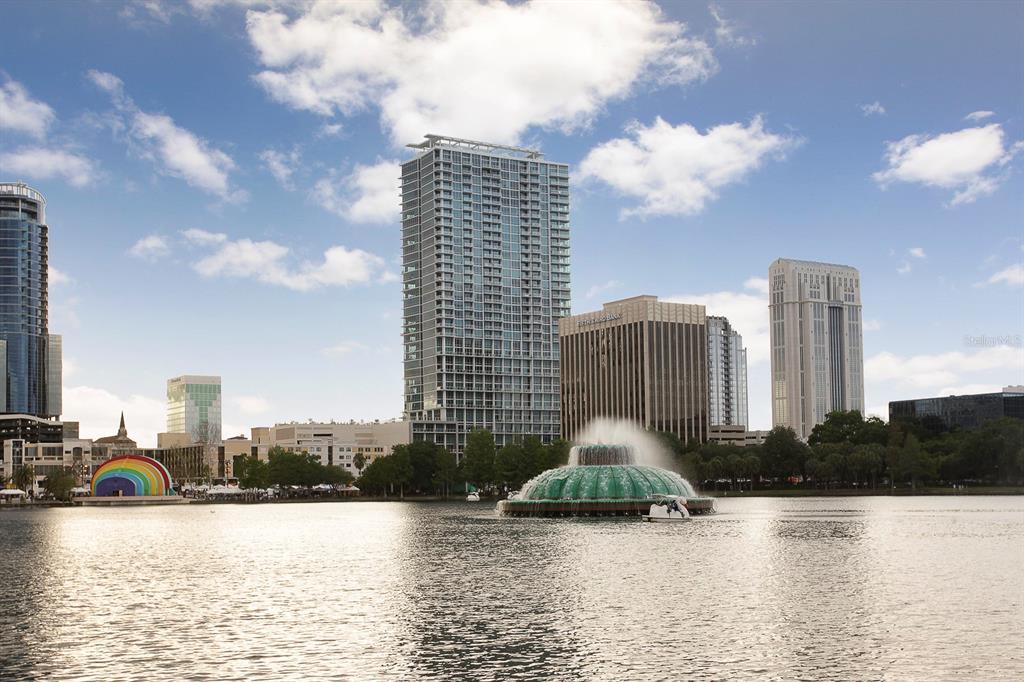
[[59, 484], [839, 427], [478, 458], [24, 476], [446, 471], [508, 466], [783, 453], [359, 461], [401, 469], [252, 472], [377, 477], [557, 453], [752, 467]]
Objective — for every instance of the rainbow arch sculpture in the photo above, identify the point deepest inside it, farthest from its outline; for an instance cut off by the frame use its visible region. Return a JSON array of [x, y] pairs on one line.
[[131, 476]]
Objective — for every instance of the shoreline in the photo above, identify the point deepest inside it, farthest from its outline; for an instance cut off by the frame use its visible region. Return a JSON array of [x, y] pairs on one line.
[[486, 501]]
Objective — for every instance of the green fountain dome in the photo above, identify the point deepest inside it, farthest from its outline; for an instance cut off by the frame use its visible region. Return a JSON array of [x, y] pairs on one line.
[[601, 480], [606, 482]]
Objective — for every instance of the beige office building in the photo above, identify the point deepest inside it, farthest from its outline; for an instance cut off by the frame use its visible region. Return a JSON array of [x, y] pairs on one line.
[[639, 359], [817, 347], [334, 443]]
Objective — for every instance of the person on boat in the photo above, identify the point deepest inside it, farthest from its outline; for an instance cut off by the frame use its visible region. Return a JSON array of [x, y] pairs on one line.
[[673, 506]]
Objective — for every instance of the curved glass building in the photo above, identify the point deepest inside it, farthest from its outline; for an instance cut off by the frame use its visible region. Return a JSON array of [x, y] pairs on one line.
[[30, 356]]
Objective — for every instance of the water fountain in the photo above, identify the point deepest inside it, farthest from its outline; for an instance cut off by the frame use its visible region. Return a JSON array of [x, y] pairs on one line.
[[602, 480]]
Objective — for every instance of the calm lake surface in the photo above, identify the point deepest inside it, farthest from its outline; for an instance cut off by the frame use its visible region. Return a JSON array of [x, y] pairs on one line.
[[925, 588]]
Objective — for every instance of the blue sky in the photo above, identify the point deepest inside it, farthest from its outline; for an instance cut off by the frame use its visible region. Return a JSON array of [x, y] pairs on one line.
[[221, 178]]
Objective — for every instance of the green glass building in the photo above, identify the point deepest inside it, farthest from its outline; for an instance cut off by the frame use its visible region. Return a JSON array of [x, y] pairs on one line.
[[194, 407]]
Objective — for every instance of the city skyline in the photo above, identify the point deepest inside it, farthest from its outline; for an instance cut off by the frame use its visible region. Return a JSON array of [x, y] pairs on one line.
[[256, 232]]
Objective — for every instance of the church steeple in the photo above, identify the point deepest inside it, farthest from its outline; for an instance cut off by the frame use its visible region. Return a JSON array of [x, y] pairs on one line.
[[122, 431]]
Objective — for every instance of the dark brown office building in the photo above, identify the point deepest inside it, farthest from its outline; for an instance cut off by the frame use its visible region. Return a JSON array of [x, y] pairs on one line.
[[638, 359]]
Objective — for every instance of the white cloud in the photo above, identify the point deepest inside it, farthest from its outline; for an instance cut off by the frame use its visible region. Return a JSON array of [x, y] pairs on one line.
[[43, 163], [603, 287], [942, 369], [904, 268], [176, 151], [202, 237], [1012, 276], [267, 262], [282, 166], [747, 313], [873, 109], [56, 277], [917, 252], [343, 348], [150, 247], [330, 130], [19, 112], [370, 194], [872, 325], [676, 170], [969, 161], [98, 411], [725, 30], [979, 115], [969, 389], [252, 404], [442, 67]]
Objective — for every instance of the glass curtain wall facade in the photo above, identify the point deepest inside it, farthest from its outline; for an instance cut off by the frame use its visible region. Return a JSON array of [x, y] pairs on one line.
[[640, 360], [727, 375], [485, 277], [30, 358], [194, 407], [817, 352]]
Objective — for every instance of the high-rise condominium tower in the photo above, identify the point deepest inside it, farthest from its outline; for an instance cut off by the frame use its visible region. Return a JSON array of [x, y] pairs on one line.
[[193, 407], [485, 262], [817, 349], [727, 375], [30, 356]]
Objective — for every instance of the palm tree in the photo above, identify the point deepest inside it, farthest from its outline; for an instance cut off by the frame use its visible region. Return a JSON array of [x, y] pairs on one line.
[[24, 477]]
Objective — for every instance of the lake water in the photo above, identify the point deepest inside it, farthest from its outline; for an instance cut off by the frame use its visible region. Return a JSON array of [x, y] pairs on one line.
[[926, 588]]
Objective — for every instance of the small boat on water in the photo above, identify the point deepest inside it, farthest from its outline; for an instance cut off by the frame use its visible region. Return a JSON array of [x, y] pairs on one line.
[[473, 497], [668, 509]]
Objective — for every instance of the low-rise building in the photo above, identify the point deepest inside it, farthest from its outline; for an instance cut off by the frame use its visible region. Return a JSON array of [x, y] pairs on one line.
[[334, 443], [962, 411], [738, 435]]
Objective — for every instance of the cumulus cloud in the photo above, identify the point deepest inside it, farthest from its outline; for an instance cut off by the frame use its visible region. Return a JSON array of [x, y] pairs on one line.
[[151, 247], [177, 152], [98, 411], [370, 194], [677, 170], [747, 312], [20, 113], [56, 277], [873, 109], [941, 369], [917, 252], [45, 163], [979, 115], [971, 162], [269, 262], [196, 236], [872, 325], [481, 70], [1012, 276], [281, 165]]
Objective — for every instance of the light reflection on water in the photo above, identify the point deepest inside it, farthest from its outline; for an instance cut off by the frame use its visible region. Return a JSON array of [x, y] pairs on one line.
[[836, 588]]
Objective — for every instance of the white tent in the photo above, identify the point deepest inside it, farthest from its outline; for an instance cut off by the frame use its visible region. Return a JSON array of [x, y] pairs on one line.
[[11, 492]]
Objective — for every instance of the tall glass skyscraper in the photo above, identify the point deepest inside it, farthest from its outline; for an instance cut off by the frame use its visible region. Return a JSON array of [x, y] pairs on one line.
[[727, 375], [194, 407], [485, 276], [29, 355]]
